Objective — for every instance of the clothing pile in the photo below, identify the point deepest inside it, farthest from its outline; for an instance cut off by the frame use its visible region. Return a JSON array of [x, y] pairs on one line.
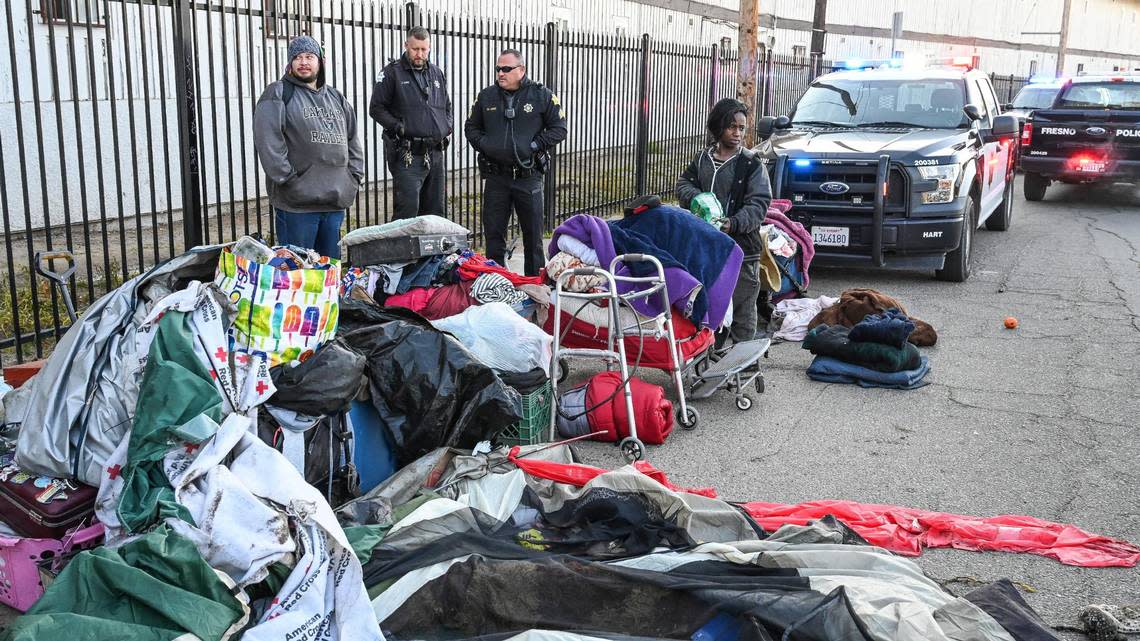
[[792, 250], [873, 353], [442, 286], [792, 316], [422, 264], [856, 303]]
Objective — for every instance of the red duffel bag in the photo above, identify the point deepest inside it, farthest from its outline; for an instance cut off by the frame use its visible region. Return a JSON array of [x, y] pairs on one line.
[[652, 412]]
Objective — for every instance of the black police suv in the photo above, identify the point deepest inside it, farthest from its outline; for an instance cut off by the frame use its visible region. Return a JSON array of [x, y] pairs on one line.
[[1091, 133], [896, 167]]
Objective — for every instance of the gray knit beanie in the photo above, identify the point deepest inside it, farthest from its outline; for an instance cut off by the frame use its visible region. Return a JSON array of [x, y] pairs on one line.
[[304, 44]]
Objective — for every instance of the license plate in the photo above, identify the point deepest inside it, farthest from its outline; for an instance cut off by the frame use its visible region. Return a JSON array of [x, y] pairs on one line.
[[830, 236], [1092, 167]]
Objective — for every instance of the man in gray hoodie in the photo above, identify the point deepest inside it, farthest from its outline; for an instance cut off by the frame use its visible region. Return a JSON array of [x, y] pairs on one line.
[[305, 134]]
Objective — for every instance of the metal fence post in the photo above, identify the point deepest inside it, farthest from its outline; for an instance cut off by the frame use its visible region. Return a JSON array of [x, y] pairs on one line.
[[184, 78], [551, 78], [766, 99], [411, 16], [714, 76], [642, 183]]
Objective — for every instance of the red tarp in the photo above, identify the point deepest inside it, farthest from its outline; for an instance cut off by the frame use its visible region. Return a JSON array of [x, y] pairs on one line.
[[579, 475], [899, 529], [907, 530]]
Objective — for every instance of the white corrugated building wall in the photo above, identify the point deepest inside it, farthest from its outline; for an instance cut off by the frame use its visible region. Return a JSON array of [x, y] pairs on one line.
[[1104, 35]]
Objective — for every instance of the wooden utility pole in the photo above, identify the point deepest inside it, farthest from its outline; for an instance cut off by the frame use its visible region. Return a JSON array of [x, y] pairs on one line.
[[1063, 43], [819, 29], [749, 62]]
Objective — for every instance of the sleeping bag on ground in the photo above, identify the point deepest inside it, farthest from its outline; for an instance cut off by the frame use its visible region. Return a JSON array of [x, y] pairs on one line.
[[652, 412]]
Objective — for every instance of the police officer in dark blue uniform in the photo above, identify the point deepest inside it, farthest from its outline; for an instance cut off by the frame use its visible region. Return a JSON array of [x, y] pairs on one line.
[[411, 103], [513, 125]]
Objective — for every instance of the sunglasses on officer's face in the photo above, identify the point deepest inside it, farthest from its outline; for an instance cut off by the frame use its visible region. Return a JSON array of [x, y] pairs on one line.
[[506, 69]]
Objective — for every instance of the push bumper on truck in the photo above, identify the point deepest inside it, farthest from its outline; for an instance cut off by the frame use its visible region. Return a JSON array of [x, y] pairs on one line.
[[875, 221]]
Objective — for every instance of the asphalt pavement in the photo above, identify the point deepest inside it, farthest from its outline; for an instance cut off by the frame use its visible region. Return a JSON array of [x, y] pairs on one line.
[[1040, 420]]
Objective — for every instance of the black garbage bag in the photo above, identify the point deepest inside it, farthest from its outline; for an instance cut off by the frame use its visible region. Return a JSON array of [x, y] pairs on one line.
[[324, 384], [429, 390], [358, 314]]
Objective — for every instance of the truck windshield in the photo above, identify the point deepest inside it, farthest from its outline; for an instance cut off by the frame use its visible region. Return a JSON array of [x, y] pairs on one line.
[[1101, 95], [929, 103], [1035, 97]]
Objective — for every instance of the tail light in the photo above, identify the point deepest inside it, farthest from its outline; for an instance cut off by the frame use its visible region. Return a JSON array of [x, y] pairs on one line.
[[1027, 134]]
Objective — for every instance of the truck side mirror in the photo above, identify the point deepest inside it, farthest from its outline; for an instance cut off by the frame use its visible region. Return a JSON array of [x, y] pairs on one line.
[[1005, 127], [1007, 106], [783, 122], [972, 112], [764, 126]]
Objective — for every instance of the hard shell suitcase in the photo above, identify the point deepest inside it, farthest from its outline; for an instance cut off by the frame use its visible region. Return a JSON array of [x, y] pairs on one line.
[[40, 506], [404, 248]]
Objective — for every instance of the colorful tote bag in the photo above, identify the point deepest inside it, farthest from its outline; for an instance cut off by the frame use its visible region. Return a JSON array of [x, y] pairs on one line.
[[284, 315]]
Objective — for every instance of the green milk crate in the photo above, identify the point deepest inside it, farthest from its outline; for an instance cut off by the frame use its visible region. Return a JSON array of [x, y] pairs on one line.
[[535, 424]]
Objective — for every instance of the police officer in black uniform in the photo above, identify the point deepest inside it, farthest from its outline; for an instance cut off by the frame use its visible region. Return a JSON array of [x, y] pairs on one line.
[[513, 125], [411, 103]]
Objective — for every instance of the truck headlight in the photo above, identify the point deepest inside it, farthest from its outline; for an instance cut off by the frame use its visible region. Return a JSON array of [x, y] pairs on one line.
[[947, 177]]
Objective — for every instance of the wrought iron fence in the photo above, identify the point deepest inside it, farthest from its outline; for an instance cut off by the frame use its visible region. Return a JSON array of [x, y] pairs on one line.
[[1006, 87], [126, 125]]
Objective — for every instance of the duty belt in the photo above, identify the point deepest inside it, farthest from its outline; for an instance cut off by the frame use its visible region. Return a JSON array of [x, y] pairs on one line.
[[513, 171], [420, 146]]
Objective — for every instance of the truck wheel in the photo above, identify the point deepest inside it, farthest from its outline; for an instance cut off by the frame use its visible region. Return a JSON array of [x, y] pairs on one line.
[[1035, 186], [1002, 217], [957, 266]]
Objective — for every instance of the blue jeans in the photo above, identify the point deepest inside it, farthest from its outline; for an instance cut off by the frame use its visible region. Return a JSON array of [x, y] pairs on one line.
[[317, 231]]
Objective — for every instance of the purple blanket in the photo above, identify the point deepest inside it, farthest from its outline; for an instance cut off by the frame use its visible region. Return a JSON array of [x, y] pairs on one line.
[[682, 285]]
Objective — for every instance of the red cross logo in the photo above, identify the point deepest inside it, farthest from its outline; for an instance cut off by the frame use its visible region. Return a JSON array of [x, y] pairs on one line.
[[114, 471], [190, 447], [220, 354], [243, 359], [261, 387]]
